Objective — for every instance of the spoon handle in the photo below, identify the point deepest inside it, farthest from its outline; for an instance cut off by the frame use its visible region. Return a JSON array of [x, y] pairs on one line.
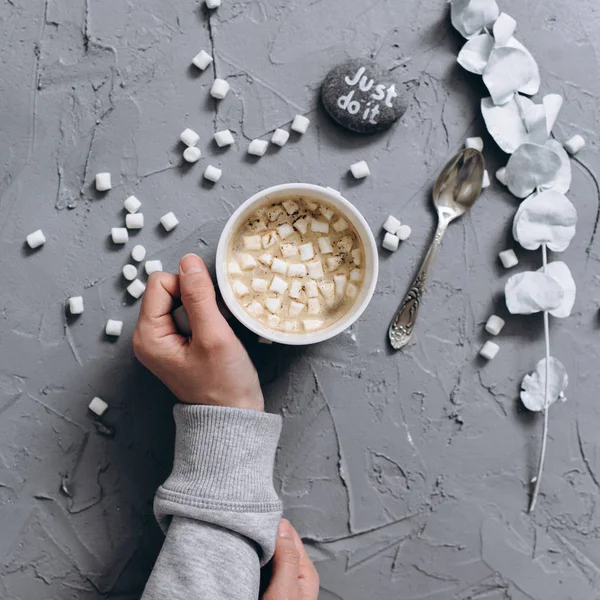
[[402, 325]]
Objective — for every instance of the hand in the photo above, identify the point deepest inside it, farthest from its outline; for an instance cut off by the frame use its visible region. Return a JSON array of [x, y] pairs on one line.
[[210, 367], [294, 575]]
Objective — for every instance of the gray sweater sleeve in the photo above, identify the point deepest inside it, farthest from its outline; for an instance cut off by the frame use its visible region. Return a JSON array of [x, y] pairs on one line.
[[218, 507]]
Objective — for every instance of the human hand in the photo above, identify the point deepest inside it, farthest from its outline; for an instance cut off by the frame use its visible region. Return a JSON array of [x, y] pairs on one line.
[[210, 367], [294, 575]]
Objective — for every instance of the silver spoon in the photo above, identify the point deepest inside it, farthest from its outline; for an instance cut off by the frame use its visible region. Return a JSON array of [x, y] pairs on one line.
[[455, 191]]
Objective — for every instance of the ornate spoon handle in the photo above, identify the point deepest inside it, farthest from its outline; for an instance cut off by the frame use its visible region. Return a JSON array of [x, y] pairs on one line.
[[402, 325]]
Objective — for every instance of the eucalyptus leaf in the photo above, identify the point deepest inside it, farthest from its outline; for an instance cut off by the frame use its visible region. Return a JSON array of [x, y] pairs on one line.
[[508, 70], [562, 182], [532, 292], [545, 218], [560, 272], [475, 53], [533, 387], [469, 17], [505, 123], [535, 122], [533, 85], [552, 103], [530, 167], [504, 27]]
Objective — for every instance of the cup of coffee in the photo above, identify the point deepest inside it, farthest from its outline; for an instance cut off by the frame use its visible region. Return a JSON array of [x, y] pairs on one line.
[[297, 264]]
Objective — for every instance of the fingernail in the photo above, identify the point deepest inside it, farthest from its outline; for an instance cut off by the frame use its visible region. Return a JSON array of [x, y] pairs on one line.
[[190, 263], [285, 529]]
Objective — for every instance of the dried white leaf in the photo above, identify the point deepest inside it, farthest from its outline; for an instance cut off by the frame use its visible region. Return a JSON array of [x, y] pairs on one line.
[[508, 70], [505, 123], [504, 27], [533, 85], [560, 272], [469, 17], [535, 122], [475, 53], [545, 218], [562, 181], [532, 292], [534, 385], [530, 167], [552, 103]]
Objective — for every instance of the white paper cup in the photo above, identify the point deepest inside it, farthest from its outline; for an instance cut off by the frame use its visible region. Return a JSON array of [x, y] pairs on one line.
[[318, 193]]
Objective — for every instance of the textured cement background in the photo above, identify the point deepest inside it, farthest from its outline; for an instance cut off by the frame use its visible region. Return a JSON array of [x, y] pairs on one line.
[[406, 474]]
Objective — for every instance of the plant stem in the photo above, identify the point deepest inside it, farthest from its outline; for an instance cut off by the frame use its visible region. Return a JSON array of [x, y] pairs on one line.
[[538, 479]]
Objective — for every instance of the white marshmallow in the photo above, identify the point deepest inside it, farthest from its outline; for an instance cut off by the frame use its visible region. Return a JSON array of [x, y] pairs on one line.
[[356, 257], [404, 232], [273, 321], [219, 88], [295, 289], [103, 182], [202, 60], [119, 235], [345, 244], [255, 308], [279, 266], [307, 252], [355, 275], [289, 250], [340, 225], [312, 324], [474, 142], [319, 226], [290, 207], [360, 169], [326, 212], [485, 182], [266, 259], [340, 284], [278, 285], [135, 221], [574, 145], [259, 285], [301, 225], [315, 269], [312, 205], [189, 137], [98, 406], [269, 239], [300, 124], [212, 173], [312, 290], [169, 221], [351, 290], [391, 242], [213, 3], [327, 289], [325, 246], [258, 226], [153, 265], [297, 270], [489, 350], [252, 242], [258, 147], [494, 325], [239, 289], [113, 328], [136, 288], [36, 239], [290, 326], [391, 224], [138, 253], [333, 263], [314, 306], [273, 305], [295, 308], [280, 137], [501, 175], [75, 305], [508, 258], [224, 138], [129, 272], [274, 213], [262, 340], [234, 268], [247, 261], [132, 204], [285, 230], [192, 154]]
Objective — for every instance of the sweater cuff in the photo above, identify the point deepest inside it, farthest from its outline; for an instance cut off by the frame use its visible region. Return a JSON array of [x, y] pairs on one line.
[[224, 459]]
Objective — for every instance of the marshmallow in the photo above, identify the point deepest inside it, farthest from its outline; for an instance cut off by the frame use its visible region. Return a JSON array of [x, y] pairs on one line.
[[202, 60], [169, 221], [312, 290], [224, 138], [255, 308], [273, 321], [258, 147], [119, 235], [247, 261], [138, 253], [290, 207], [340, 284], [213, 3], [36, 239], [295, 308], [269, 239], [239, 289], [285, 230], [113, 328], [192, 154], [574, 144], [98, 406], [345, 244], [103, 182], [297, 270], [189, 137], [290, 326], [307, 251], [312, 205], [485, 182], [312, 324], [259, 285], [153, 265], [319, 226], [501, 175], [219, 89], [474, 142], [302, 225], [315, 269], [280, 137], [212, 173], [234, 268], [489, 350], [327, 289], [135, 221], [333, 263], [325, 246], [136, 288], [279, 266], [295, 289], [340, 225], [132, 204], [274, 213], [75, 305], [300, 124], [252, 242], [494, 325], [266, 259], [391, 224], [508, 258], [278, 285], [355, 275], [289, 250], [326, 212], [391, 242], [356, 257], [351, 290], [360, 169], [314, 306], [129, 272], [273, 304], [404, 232]]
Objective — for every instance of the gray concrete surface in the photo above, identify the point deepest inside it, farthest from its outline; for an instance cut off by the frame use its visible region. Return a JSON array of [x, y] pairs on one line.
[[406, 474]]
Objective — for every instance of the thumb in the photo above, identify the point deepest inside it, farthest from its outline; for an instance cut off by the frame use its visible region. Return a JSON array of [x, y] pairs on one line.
[[286, 566]]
